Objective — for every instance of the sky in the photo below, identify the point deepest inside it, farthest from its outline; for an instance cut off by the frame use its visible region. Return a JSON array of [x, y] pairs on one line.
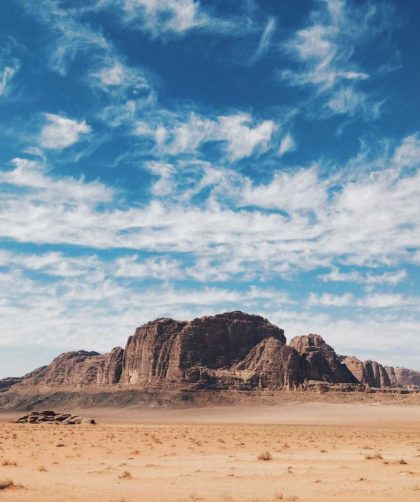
[[180, 158]]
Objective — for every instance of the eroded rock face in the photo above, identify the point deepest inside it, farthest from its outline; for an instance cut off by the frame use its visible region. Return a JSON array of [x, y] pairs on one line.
[[170, 350], [320, 360], [6, 383], [151, 353], [222, 340], [79, 369], [403, 377], [272, 364], [369, 373], [233, 350]]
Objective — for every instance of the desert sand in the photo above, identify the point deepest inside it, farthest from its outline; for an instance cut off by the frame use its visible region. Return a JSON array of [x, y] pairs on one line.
[[295, 451]]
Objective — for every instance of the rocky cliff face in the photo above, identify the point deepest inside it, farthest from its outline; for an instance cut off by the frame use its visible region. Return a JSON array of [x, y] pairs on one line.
[[6, 383], [369, 373], [170, 350], [320, 360], [79, 369], [403, 377], [233, 350], [272, 364]]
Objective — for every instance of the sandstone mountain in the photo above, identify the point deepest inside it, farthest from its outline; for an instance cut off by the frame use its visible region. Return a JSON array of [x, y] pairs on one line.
[[228, 351], [403, 377]]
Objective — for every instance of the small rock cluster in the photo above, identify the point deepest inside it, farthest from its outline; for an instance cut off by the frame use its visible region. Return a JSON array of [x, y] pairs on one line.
[[48, 416]]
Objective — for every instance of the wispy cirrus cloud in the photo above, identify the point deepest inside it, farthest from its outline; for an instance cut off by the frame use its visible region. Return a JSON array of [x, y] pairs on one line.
[[266, 38], [241, 134], [7, 72], [165, 18], [325, 59], [9, 66], [287, 144]]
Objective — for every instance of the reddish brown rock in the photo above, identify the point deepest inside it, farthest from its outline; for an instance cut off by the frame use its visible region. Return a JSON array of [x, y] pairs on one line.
[[79, 369], [403, 377], [320, 360], [368, 373], [272, 364], [51, 417], [150, 354], [6, 383], [169, 350], [230, 351]]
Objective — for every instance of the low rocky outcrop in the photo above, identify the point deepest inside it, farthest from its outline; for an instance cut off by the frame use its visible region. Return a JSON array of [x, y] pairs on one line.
[[320, 360], [78, 369], [369, 373], [51, 417]]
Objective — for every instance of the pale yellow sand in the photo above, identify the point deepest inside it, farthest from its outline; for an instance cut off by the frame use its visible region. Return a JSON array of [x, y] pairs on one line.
[[320, 452]]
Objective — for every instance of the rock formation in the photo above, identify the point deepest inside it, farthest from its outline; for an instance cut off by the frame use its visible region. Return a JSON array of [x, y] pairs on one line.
[[369, 373], [403, 377], [77, 369], [320, 360], [230, 351], [5, 383], [172, 350], [51, 417], [272, 364]]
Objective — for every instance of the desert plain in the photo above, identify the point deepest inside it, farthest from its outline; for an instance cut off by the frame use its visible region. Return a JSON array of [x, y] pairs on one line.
[[295, 451]]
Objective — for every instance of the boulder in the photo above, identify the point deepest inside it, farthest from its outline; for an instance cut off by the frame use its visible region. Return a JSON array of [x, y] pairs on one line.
[[45, 417]]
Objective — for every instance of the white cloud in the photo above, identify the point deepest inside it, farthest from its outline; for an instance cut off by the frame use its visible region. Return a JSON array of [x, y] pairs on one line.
[[113, 75], [44, 191], [163, 18], [294, 191], [389, 278], [349, 101], [287, 144], [51, 263], [241, 135], [408, 153], [266, 38], [61, 132], [370, 301], [369, 220], [7, 72], [157, 16], [158, 268], [242, 138], [73, 37], [324, 53], [328, 300], [386, 301]]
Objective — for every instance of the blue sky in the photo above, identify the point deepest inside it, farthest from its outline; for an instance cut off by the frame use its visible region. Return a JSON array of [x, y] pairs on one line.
[[181, 158]]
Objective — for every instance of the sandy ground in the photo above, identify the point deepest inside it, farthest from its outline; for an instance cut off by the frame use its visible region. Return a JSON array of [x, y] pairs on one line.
[[319, 452]]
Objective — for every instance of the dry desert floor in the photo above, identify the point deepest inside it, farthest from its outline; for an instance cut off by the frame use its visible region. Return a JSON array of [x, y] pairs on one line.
[[299, 451]]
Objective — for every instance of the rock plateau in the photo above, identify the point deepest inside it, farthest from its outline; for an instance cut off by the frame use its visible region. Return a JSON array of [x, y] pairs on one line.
[[230, 351]]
